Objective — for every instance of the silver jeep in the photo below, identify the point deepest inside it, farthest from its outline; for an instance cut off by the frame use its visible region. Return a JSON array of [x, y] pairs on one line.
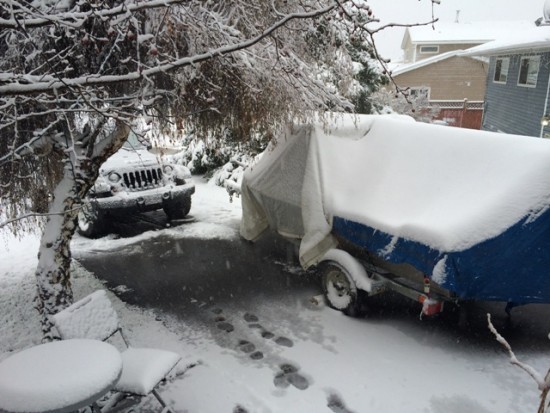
[[135, 180]]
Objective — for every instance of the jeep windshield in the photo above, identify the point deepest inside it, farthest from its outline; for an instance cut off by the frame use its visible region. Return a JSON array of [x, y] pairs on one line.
[[134, 142]]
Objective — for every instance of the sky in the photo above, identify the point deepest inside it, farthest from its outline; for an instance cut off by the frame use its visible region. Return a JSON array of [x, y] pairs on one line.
[[417, 11]]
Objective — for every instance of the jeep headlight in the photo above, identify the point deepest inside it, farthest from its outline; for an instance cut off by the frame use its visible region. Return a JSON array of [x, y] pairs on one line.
[[100, 189], [114, 177], [168, 169]]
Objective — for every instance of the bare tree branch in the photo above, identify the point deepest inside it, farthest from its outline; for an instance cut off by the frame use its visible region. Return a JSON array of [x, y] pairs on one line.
[[36, 215]]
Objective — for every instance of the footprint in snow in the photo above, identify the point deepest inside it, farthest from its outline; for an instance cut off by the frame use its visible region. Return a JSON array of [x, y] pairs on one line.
[[227, 327], [250, 318], [221, 322], [289, 376], [283, 341], [253, 323], [336, 404], [267, 334], [246, 346]]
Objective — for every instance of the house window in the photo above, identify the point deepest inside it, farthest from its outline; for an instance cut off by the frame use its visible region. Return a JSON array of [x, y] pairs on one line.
[[429, 49], [421, 92], [529, 71], [501, 70]]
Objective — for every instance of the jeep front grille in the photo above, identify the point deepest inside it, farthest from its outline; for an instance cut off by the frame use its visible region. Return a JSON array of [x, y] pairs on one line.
[[142, 179]]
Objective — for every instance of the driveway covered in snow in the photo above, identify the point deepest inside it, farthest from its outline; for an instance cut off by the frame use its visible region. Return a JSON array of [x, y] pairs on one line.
[[245, 314]]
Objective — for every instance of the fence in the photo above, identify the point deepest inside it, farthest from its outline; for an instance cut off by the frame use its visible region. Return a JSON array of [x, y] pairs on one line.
[[460, 113]]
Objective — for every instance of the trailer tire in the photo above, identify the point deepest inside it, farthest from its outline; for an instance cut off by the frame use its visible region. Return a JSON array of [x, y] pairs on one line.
[[340, 290]]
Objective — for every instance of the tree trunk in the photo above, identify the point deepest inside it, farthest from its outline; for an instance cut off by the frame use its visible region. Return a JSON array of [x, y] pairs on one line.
[[54, 257], [53, 277]]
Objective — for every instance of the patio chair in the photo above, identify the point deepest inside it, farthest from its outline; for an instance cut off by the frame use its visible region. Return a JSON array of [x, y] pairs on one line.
[[95, 318]]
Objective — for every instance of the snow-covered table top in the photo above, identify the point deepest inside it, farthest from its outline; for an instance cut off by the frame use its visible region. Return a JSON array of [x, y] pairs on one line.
[[60, 376]]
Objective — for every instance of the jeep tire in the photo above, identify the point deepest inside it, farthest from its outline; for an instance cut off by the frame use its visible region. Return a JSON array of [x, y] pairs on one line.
[[178, 210], [90, 221]]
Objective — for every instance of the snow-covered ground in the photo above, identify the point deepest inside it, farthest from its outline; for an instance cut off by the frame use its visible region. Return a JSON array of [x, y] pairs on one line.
[[332, 363]]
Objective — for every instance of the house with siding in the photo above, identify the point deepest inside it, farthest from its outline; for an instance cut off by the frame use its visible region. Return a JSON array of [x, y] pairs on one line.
[[435, 68], [518, 81]]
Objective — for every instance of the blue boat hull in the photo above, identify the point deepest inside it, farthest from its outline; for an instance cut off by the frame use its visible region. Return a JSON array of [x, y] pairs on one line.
[[513, 267]]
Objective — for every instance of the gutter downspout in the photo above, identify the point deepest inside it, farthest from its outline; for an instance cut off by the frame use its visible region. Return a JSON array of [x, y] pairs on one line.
[[545, 105]]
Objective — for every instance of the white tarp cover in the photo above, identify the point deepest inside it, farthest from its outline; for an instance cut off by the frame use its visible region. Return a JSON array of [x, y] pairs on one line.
[[446, 188]]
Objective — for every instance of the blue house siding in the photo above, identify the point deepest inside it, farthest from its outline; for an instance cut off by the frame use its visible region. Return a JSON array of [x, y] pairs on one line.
[[516, 109]]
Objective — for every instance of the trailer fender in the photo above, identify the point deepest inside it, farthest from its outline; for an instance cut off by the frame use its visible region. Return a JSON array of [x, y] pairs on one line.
[[354, 268]]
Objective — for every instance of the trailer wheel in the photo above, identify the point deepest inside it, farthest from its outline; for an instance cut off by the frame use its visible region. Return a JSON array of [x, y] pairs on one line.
[[340, 290]]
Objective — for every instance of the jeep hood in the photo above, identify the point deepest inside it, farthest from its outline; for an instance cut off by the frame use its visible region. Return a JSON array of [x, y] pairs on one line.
[[130, 158]]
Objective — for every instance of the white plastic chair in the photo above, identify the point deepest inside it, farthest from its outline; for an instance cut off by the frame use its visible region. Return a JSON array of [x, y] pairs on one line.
[[95, 318]]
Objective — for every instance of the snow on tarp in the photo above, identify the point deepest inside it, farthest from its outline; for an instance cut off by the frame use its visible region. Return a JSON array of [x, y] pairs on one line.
[[469, 208]]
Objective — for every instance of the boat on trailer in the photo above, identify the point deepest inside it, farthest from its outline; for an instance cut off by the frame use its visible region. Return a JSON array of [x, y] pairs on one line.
[[381, 202]]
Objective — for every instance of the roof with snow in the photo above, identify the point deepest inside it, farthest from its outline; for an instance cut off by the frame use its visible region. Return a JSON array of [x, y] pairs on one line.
[[404, 68], [462, 33], [533, 38]]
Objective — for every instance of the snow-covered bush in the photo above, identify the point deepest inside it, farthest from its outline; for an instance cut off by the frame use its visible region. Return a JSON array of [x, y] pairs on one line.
[[204, 155], [223, 159], [230, 175]]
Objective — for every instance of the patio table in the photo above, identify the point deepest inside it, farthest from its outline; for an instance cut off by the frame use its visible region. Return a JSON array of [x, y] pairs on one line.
[[57, 377]]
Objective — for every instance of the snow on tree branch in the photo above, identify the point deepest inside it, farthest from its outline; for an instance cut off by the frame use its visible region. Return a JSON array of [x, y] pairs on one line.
[[34, 84], [22, 16], [35, 215], [543, 383]]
